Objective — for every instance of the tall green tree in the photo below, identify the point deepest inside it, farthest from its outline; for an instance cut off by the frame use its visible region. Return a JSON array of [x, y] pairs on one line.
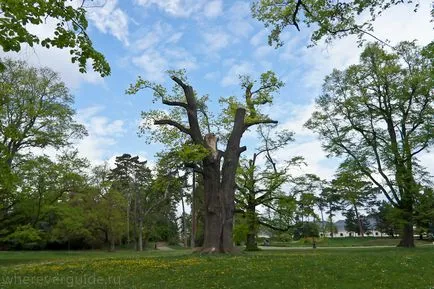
[[69, 33], [355, 222], [109, 206], [329, 19], [188, 127], [385, 219], [354, 191], [35, 112], [379, 114], [260, 185]]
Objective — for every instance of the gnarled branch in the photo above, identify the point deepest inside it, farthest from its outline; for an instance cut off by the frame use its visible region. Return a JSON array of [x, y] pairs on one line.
[[179, 126]]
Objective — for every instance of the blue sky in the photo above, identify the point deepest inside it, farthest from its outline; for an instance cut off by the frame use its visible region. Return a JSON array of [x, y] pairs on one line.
[[215, 41]]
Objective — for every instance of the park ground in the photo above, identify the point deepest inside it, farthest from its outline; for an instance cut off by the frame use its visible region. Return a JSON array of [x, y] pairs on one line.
[[372, 267]]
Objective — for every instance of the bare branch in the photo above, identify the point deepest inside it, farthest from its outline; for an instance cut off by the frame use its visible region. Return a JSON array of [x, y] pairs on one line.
[[256, 122], [174, 103], [179, 126]]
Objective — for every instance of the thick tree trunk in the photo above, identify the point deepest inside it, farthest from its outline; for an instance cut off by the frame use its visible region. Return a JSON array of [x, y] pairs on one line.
[[213, 207], [407, 239], [220, 189], [219, 183]]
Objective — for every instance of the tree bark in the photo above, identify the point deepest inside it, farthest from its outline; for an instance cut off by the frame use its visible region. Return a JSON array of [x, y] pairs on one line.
[[140, 242], [251, 243], [112, 243], [407, 239], [184, 226], [219, 179], [193, 212], [359, 221], [220, 188]]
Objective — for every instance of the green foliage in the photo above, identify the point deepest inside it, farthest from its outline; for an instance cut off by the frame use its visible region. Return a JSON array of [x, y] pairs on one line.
[[192, 152], [305, 230], [23, 236], [424, 211], [329, 19], [240, 231], [70, 32], [36, 110], [256, 93], [387, 219], [352, 188], [379, 114], [352, 223]]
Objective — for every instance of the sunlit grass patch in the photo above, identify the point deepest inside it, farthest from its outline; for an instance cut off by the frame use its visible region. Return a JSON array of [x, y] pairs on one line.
[[333, 268]]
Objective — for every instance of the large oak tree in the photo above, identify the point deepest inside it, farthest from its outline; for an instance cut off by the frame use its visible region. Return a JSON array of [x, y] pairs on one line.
[[187, 127]]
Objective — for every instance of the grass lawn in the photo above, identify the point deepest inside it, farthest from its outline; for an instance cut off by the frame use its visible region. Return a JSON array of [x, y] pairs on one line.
[[347, 242], [334, 268]]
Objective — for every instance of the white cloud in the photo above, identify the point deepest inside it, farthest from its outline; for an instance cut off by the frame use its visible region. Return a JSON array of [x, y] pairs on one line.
[[59, 61], [152, 63], [240, 28], [263, 51], [213, 8], [212, 75], [177, 8], [110, 19], [240, 10], [103, 134], [215, 41], [156, 52], [232, 76], [259, 38], [240, 19], [175, 37]]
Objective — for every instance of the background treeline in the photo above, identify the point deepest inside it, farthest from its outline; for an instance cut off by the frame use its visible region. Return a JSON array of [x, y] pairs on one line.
[[61, 201]]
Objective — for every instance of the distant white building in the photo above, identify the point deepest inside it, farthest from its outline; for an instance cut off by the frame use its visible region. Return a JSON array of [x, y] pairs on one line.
[[341, 232]]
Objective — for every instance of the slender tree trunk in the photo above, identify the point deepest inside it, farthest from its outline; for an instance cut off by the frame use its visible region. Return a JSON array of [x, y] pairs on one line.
[[128, 221], [359, 221], [193, 212], [184, 225], [112, 243], [140, 247], [135, 222], [251, 243], [322, 222]]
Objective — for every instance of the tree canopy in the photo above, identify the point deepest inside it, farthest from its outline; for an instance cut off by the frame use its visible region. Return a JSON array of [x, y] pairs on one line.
[[379, 114], [69, 33], [329, 19]]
